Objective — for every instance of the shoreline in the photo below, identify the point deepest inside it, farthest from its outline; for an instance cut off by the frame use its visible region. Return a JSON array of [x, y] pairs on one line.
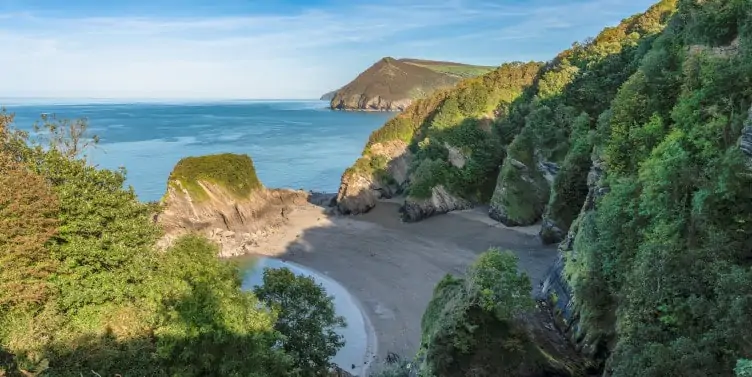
[[390, 268]]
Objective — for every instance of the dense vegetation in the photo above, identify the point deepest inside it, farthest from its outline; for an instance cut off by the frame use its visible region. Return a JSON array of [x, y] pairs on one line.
[[459, 119], [475, 326], [306, 318], [235, 172], [83, 289], [661, 266], [650, 126]]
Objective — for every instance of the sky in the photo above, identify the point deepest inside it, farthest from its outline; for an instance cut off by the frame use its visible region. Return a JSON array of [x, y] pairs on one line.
[[271, 49]]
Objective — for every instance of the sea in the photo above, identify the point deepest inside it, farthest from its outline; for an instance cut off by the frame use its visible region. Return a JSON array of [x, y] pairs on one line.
[[294, 144]]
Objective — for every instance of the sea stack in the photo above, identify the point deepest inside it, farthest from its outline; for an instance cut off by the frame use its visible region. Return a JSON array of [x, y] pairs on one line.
[[220, 197]]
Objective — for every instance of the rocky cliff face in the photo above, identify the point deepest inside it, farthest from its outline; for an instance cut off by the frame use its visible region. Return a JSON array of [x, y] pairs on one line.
[[555, 286], [361, 188], [440, 202], [234, 221]]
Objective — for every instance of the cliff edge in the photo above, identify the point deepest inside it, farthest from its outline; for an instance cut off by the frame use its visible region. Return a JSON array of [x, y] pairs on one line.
[[221, 197]]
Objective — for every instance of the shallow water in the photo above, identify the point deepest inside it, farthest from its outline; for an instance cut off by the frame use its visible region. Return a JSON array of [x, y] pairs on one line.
[[295, 144], [356, 334]]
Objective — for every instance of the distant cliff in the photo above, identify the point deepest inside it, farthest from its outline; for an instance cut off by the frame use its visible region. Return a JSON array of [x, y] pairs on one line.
[[328, 96], [392, 85]]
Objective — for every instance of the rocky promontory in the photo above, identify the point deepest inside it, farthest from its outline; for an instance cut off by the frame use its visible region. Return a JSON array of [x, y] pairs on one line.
[[393, 84], [220, 197]]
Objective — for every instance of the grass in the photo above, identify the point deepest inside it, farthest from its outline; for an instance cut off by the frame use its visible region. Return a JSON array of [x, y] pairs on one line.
[[461, 70], [234, 172]]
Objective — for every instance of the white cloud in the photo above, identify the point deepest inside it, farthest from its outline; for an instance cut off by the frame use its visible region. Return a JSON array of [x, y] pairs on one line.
[[255, 56]]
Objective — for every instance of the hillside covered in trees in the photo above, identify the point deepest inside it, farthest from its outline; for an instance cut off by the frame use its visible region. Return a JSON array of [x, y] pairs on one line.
[[85, 291], [634, 148]]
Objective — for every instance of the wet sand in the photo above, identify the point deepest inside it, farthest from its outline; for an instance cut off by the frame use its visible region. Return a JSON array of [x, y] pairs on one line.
[[392, 267]]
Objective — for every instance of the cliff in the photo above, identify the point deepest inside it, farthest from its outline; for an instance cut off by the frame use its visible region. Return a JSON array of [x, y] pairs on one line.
[[220, 197], [392, 85], [633, 150], [442, 152]]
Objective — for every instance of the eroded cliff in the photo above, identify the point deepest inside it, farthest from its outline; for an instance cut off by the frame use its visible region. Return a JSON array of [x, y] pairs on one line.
[[220, 197]]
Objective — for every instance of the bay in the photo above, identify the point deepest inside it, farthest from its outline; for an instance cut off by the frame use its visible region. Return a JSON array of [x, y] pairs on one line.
[[294, 144]]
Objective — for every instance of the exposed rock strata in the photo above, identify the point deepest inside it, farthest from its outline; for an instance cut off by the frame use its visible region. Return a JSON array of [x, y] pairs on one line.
[[361, 188], [235, 224]]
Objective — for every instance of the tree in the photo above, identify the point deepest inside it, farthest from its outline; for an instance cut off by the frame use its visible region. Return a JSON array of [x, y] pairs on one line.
[[28, 219], [306, 319], [69, 137]]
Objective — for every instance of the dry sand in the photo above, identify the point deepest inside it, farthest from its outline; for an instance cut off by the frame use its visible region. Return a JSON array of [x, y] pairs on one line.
[[392, 267]]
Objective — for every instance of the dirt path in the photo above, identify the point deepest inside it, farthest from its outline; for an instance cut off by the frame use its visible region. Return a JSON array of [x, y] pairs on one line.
[[392, 267]]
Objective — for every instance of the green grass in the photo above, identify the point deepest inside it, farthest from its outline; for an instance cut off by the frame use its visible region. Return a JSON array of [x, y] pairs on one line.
[[235, 172], [461, 70]]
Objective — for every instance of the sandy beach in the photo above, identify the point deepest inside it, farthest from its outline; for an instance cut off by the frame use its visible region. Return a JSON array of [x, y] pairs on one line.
[[392, 267]]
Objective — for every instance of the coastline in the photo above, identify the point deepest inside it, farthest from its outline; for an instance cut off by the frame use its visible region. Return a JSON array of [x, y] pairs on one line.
[[390, 268]]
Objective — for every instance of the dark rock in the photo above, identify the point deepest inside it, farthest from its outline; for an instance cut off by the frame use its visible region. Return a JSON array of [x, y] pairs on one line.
[[550, 233], [745, 141], [440, 202]]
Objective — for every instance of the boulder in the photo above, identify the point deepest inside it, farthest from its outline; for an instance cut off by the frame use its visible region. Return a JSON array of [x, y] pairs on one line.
[[440, 202]]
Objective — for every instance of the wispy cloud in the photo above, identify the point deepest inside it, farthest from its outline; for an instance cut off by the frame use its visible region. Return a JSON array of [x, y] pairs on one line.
[[285, 55]]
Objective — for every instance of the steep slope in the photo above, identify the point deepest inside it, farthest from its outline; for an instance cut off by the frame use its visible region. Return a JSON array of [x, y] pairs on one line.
[[220, 197], [392, 84], [442, 148], [658, 260]]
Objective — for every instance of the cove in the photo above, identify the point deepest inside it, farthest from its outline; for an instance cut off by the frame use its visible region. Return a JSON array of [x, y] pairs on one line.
[[359, 336]]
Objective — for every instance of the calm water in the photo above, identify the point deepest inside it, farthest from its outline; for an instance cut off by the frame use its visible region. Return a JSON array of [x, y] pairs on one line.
[[295, 144], [357, 347]]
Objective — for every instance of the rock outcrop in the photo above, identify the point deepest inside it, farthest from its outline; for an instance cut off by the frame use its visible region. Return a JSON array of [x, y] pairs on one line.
[[380, 174], [522, 189], [440, 202], [234, 220], [554, 287]]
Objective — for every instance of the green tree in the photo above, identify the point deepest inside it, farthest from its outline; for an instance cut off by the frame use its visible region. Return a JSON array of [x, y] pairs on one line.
[[306, 319]]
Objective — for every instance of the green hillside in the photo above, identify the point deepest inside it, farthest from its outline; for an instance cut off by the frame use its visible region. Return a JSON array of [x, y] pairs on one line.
[[391, 84], [649, 127]]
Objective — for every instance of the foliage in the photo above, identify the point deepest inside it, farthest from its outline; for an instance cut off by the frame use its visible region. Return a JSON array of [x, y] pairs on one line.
[[232, 171], [460, 118], [307, 319], [743, 368], [28, 219], [521, 190], [570, 186], [85, 289], [660, 268], [471, 323]]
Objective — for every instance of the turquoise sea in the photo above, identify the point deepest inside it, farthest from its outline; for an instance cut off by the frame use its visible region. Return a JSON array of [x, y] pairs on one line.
[[295, 144]]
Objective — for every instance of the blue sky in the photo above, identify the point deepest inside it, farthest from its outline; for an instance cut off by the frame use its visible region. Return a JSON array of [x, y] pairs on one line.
[[214, 49]]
